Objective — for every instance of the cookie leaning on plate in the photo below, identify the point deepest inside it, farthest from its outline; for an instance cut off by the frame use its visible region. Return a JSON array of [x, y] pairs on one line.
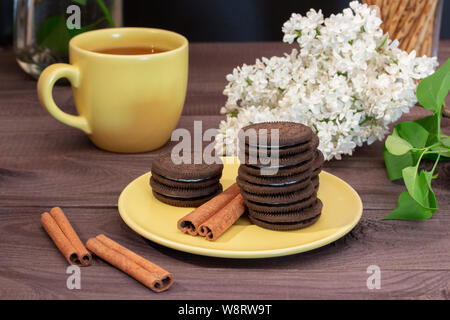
[[184, 185], [286, 199]]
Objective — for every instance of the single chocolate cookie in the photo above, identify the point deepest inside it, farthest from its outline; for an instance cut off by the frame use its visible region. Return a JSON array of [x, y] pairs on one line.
[[289, 134], [186, 202], [284, 226], [319, 160], [286, 161], [277, 171], [273, 189], [316, 172], [182, 184], [165, 167], [276, 180], [315, 182], [291, 217], [285, 151], [280, 199], [181, 192], [277, 208], [315, 142]]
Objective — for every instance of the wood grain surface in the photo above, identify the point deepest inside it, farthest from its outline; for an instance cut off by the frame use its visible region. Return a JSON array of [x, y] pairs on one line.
[[44, 163]]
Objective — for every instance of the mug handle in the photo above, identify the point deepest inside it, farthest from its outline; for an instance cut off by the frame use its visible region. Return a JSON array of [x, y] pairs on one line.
[[45, 85]]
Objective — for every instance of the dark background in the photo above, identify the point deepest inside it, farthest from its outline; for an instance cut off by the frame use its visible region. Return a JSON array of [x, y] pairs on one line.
[[214, 20]]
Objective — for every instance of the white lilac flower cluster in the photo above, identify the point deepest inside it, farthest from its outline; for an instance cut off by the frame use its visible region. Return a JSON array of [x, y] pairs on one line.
[[347, 80]]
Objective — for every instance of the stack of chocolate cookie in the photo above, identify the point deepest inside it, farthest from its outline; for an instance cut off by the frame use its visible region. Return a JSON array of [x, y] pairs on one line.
[[282, 194], [185, 185]]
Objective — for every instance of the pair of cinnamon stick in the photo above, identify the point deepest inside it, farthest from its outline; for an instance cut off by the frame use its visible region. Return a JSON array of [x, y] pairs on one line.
[[149, 274], [65, 238], [216, 216], [69, 244]]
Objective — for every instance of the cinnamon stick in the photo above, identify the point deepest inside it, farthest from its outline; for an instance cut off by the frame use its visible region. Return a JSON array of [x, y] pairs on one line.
[[215, 226], [191, 222], [65, 238], [149, 274], [165, 276]]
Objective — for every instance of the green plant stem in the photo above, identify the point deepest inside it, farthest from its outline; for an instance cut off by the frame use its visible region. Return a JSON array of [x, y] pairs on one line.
[[436, 163], [439, 116], [421, 156], [425, 150], [434, 152], [106, 12]]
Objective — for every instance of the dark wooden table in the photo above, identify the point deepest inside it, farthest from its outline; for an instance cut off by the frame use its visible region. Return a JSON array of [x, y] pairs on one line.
[[44, 163]]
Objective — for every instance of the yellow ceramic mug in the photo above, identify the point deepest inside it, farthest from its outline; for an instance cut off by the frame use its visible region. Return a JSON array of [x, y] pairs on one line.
[[126, 103]]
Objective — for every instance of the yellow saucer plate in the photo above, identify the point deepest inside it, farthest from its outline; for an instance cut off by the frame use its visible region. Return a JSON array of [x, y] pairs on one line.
[[157, 221]]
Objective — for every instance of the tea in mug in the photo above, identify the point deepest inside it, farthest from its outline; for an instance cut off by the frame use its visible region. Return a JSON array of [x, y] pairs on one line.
[[131, 50]]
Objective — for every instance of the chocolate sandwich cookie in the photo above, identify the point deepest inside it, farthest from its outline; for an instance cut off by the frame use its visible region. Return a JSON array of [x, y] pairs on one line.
[[285, 151], [284, 226], [319, 160], [289, 134], [274, 180], [273, 189], [285, 161], [281, 171], [316, 172], [291, 217], [186, 183], [315, 142], [315, 183], [165, 167], [186, 202], [280, 199], [278, 208], [181, 192]]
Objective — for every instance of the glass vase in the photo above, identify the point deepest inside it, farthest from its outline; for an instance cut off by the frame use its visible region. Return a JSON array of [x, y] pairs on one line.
[[43, 28], [416, 24]]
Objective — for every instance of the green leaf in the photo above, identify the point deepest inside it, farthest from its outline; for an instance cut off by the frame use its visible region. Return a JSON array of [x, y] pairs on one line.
[[429, 193], [419, 187], [413, 133], [54, 35], [92, 26], [234, 114], [106, 12], [383, 43], [431, 124], [445, 155], [395, 164], [444, 151], [397, 146], [446, 141], [431, 91], [408, 209], [80, 2]]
